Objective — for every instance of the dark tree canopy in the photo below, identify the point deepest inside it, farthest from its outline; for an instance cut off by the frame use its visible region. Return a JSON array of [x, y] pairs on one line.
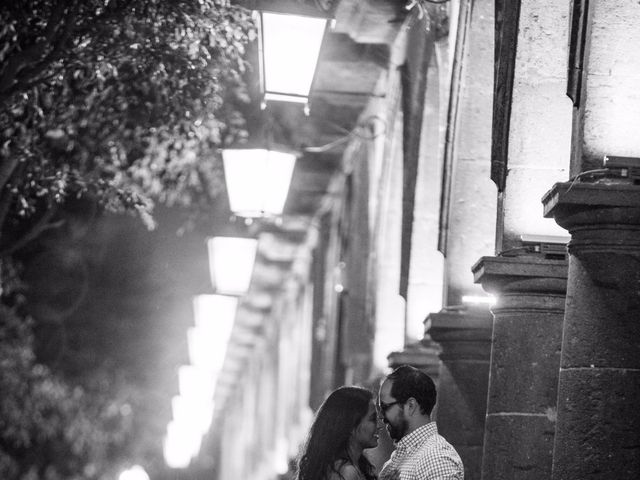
[[120, 104], [50, 428], [124, 101]]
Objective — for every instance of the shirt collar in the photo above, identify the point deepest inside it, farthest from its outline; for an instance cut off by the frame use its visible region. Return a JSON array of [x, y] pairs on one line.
[[418, 436]]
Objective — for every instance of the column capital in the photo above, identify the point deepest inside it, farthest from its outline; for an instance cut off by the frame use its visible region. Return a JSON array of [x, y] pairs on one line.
[[423, 355], [604, 222], [575, 204], [463, 335], [524, 273]]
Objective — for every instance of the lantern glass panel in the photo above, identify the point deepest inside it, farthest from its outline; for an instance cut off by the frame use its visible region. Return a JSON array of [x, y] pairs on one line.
[[291, 46]]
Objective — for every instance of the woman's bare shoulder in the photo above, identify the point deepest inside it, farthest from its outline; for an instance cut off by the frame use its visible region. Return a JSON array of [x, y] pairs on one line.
[[345, 471]]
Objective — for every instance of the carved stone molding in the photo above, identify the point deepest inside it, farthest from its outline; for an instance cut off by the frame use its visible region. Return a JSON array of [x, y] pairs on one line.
[[604, 223]]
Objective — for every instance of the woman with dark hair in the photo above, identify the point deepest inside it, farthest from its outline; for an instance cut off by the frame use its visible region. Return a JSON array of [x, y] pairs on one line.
[[346, 424]]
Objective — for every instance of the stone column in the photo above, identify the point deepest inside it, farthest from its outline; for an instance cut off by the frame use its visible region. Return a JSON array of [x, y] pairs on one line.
[[422, 355], [525, 357], [598, 427], [465, 338], [466, 226], [531, 136]]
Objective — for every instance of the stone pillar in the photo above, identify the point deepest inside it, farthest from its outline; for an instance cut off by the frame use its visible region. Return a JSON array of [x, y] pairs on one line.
[[598, 427], [525, 357], [531, 136], [465, 338], [422, 355]]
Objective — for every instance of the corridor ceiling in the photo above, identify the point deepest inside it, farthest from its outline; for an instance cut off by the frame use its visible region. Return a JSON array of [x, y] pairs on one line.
[[350, 72]]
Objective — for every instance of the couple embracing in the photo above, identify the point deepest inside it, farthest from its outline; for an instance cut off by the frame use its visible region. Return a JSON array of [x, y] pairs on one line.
[[347, 423]]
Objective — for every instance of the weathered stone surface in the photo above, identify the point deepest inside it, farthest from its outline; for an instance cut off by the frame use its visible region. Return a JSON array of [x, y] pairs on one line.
[[598, 427], [525, 358], [471, 202], [472, 460], [471, 229], [465, 338], [599, 436], [422, 355], [612, 104], [539, 104], [520, 448], [571, 204], [601, 327]]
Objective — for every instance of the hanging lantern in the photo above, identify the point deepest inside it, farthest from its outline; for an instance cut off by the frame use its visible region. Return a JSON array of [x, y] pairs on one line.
[[257, 180], [231, 262], [289, 47]]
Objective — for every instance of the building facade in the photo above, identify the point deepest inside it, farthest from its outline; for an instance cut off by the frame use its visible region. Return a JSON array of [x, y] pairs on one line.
[[473, 168]]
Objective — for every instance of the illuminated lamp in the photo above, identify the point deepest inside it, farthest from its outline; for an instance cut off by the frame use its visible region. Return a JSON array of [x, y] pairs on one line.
[[231, 262], [257, 180], [181, 444], [192, 411], [207, 348], [207, 341], [134, 473], [194, 382], [289, 51]]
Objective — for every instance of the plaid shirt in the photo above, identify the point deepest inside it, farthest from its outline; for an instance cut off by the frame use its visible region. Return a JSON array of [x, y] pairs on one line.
[[423, 455]]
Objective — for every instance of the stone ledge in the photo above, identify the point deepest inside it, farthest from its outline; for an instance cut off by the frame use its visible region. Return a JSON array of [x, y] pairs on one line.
[[577, 194], [460, 320], [520, 266]]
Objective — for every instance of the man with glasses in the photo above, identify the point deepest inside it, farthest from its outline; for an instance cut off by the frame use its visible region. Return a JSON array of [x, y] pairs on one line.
[[407, 397]]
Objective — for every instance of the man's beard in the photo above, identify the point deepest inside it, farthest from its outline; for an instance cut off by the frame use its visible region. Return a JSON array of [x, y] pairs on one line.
[[396, 432]]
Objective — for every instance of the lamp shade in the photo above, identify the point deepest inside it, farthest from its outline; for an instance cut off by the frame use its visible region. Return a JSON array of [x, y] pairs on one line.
[[207, 341], [134, 473], [195, 382], [231, 262], [181, 444], [257, 180], [290, 49], [197, 412]]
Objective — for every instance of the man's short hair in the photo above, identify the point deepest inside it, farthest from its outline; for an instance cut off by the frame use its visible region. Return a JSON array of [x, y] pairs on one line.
[[410, 382]]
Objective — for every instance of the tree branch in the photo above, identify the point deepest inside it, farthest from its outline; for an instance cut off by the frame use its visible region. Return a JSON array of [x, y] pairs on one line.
[[33, 73], [7, 168], [34, 232], [16, 62], [5, 204]]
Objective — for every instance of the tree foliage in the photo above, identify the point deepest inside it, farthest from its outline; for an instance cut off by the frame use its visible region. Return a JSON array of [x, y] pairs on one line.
[[50, 428], [124, 101]]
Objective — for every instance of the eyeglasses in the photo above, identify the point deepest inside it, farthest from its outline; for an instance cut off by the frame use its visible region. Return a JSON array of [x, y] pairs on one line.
[[386, 406]]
